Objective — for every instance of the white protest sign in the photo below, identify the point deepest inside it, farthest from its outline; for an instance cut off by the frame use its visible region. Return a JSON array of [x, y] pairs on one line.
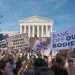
[[18, 41], [63, 40]]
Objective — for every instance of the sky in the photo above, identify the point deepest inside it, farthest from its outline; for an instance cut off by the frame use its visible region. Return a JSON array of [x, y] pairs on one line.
[[62, 12]]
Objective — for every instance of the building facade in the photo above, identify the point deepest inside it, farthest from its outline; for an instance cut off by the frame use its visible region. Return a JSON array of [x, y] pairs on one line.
[[36, 26]]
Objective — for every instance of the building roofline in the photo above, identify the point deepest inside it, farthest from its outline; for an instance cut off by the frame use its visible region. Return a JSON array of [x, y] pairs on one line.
[[35, 19]]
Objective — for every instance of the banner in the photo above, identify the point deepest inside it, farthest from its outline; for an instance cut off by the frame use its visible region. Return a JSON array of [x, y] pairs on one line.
[[39, 45], [18, 41], [63, 40]]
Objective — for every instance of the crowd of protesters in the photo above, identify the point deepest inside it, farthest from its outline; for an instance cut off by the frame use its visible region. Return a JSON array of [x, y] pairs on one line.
[[18, 63]]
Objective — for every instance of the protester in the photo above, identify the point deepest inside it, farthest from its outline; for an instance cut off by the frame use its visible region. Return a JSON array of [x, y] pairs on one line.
[[71, 67], [59, 66], [41, 68], [16, 62], [5, 68]]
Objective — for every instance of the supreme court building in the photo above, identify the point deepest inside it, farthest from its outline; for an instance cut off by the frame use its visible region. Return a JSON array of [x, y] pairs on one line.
[[36, 26]]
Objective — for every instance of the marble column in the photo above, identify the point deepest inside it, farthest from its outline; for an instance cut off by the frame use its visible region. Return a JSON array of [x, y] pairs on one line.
[[25, 29], [37, 31], [29, 31], [42, 31], [49, 30], [33, 31], [46, 31]]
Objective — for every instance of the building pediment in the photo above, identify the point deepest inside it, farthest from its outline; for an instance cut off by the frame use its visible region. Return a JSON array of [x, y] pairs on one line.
[[36, 19]]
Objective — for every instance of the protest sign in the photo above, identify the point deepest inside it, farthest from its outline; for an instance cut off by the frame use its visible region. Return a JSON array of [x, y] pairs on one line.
[[63, 40]]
